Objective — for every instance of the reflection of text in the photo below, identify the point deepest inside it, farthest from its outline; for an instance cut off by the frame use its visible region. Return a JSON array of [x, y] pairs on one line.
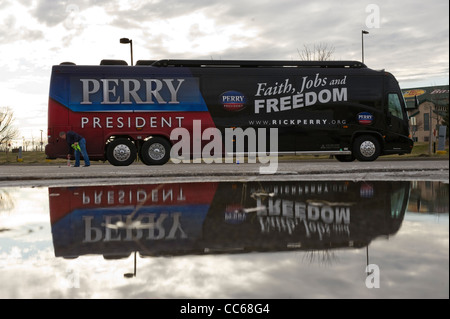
[[317, 218], [133, 197], [128, 227]]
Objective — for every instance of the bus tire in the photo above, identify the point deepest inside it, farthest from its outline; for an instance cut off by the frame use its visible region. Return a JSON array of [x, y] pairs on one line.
[[155, 151], [366, 148], [121, 152]]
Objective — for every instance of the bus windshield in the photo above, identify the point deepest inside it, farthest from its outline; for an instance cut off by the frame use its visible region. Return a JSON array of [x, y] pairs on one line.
[[395, 106]]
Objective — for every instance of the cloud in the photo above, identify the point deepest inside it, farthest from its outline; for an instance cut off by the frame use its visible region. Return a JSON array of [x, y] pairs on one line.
[[12, 30], [262, 30], [52, 13]]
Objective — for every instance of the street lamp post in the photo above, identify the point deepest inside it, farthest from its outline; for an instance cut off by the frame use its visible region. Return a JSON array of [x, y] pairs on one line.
[[125, 41], [133, 274], [362, 42]]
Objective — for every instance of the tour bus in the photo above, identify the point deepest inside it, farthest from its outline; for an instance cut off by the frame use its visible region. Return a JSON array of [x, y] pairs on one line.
[[339, 108]]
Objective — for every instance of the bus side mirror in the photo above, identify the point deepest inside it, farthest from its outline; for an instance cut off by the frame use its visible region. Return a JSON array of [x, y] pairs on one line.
[[416, 103]]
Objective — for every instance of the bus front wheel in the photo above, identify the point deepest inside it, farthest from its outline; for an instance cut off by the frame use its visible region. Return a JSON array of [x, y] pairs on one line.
[[121, 152], [366, 148], [155, 151]]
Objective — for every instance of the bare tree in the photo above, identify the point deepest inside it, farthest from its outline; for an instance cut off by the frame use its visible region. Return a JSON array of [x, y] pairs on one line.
[[7, 131], [26, 144], [319, 52]]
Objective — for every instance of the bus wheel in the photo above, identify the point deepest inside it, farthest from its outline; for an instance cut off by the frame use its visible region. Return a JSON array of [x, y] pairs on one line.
[[366, 148], [121, 152], [345, 158], [155, 151]]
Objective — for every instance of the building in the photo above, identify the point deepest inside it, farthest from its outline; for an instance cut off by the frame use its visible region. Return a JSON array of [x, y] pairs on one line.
[[432, 100]]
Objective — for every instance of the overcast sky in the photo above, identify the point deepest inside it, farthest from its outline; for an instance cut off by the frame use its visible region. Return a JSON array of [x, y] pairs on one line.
[[407, 38]]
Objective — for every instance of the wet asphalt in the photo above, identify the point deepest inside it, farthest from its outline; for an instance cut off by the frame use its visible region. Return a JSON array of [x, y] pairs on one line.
[[22, 174]]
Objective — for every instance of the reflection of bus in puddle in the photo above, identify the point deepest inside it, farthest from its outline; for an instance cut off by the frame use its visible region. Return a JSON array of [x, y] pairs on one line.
[[217, 217]]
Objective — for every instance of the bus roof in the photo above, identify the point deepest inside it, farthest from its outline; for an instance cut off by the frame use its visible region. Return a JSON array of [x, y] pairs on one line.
[[251, 63], [235, 63]]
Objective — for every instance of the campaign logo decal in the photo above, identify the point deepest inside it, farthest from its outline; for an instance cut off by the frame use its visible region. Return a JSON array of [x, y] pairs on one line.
[[235, 214], [365, 118], [233, 101], [366, 190]]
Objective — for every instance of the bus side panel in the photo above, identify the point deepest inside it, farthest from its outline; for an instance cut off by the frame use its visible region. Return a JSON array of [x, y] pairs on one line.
[[313, 110], [166, 99], [58, 120], [331, 125]]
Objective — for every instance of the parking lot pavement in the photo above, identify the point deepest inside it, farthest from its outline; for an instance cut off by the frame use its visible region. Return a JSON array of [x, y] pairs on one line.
[[322, 169]]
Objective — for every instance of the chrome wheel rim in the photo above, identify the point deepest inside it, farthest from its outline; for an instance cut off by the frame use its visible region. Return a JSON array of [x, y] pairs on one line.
[[367, 149], [156, 151], [121, 152]]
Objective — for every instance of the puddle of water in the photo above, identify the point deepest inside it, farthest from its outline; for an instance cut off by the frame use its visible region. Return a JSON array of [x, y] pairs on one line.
[[302, 239]]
